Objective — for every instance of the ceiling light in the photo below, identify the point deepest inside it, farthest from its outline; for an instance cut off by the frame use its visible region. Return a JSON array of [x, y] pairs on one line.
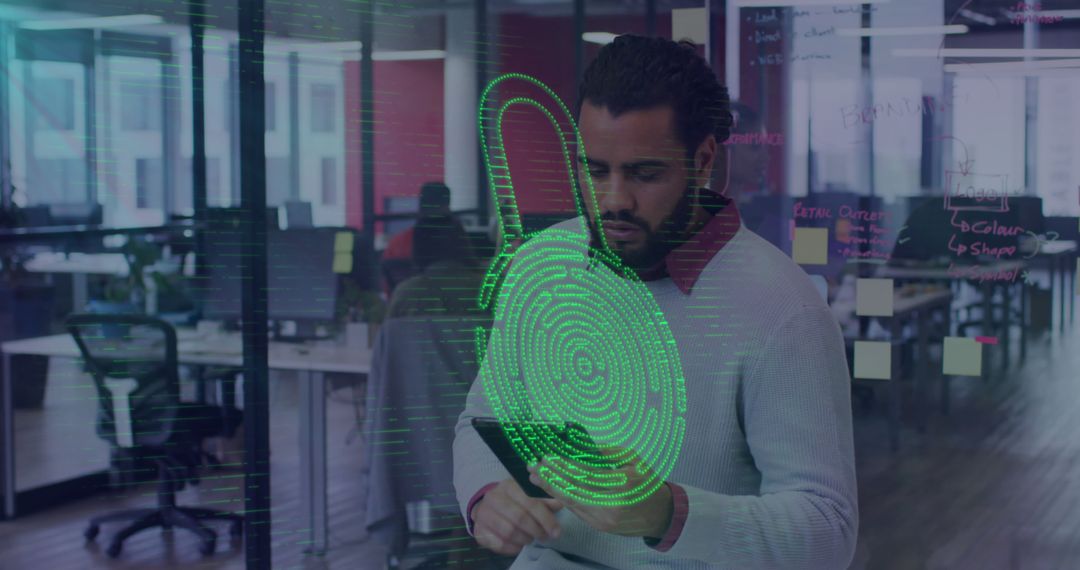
[[1011, 65], [903, 31], [103, 22], [968, 52], [410, 55], [602, 38], [786, 3], [977, 17]]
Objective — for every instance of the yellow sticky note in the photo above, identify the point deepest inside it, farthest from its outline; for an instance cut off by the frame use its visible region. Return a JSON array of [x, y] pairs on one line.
[[874, 297], [343, 241], [690, 24], [343, 262], [873, 360], [963, 357], [811, 246]]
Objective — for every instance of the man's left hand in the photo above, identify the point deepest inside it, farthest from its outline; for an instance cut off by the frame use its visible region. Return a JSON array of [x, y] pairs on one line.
[[648, 518]]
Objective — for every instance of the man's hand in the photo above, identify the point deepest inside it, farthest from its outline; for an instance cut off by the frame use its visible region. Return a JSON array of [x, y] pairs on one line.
[[506, 519], [649, 518]]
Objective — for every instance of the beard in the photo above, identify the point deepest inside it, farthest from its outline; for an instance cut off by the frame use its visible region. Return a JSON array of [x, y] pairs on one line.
[[670, 234]]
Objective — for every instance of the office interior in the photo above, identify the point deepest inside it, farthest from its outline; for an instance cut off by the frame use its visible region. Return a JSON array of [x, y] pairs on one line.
[[236, 170]]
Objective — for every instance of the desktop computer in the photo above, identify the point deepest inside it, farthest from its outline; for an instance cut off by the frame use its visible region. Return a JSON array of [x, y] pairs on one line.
[[302, 284], [75, 214]]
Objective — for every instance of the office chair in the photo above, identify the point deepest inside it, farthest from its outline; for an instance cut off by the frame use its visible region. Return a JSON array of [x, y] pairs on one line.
[[133, 361]]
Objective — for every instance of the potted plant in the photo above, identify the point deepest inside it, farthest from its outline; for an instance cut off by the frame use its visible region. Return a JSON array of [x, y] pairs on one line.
[[26, 310], [358, 306], [127, 293]]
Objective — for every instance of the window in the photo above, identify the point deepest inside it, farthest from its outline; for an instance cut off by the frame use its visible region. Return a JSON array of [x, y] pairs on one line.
[[54, 99], [329, 181], [278, 180], [140, 105], [149, 183], [57, 180], [322, 108], [1057, 170], [988, 129], [213, 180]]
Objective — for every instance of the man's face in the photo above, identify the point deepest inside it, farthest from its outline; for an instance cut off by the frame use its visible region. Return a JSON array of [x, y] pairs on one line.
[[644, 184]]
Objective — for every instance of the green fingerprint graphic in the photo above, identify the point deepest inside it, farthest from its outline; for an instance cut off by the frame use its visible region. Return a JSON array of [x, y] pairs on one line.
[[576, 337]]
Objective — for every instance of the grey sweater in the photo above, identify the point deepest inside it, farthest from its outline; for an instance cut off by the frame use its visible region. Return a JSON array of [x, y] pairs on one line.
[[767, 461]]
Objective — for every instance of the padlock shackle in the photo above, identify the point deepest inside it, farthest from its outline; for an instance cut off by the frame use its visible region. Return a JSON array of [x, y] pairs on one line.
[[496, 162], [492, 144]]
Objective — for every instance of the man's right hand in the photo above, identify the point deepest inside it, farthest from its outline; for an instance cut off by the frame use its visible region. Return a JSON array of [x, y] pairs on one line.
[[506, 519]]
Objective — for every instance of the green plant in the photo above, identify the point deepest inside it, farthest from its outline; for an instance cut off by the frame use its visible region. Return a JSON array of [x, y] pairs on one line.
[[358, 304], [131, 288]]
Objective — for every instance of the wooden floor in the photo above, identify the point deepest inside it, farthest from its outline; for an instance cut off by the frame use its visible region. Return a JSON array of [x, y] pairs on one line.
[[994, 485]]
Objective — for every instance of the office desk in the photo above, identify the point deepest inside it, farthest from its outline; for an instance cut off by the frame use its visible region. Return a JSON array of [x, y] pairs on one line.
[[917, 309], [312, 360], [940, 273], [1059, 256], [79, 265]]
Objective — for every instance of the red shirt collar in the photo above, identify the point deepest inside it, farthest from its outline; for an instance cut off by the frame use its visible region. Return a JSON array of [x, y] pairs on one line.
[[685, 263]]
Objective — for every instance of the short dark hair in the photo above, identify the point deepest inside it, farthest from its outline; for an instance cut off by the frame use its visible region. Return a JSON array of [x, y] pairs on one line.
[[635, 73], [745, 119], [434, 195]]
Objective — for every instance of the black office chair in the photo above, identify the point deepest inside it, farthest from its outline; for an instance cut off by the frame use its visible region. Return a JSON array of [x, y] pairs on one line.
[[132, 359]]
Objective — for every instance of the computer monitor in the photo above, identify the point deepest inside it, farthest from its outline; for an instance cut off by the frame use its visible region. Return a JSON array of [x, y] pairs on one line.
[[932, 233], [218, 286], [75, 214], [301, 282], [1029, 213], [35, 216], [298, 215], [233, 216], [400, 205]]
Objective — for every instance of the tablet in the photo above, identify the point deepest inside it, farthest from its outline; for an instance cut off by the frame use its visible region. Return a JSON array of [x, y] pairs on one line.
[[491, 431]]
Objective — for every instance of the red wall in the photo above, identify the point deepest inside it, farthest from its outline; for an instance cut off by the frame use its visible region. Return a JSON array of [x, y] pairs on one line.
[[531, 45], [408, 131], [409, 111]]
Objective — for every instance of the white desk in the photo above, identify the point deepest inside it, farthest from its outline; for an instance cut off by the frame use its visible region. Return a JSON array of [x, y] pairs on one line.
[[312, 360], [79, 265]]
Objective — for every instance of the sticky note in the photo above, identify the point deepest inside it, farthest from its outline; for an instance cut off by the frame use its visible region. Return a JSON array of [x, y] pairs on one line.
[[343, 262], [811, 246], [963, 357], [874, 297], [821, 285], [343, 241], [690, 24], [873, 360]]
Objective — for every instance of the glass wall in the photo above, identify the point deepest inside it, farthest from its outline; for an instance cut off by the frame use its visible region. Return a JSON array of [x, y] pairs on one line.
[[844, 113]]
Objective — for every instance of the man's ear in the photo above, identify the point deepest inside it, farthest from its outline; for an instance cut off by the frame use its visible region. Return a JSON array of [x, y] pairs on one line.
[[705, 159]]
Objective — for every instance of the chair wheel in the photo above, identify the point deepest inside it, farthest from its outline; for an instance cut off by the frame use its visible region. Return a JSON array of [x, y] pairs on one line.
[[91, 532], [208, 545], [236, 529], [114, 549]]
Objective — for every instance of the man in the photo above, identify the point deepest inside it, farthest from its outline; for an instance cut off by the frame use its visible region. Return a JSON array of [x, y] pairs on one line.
[[766, 475], [449, 273], [434, 201]]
